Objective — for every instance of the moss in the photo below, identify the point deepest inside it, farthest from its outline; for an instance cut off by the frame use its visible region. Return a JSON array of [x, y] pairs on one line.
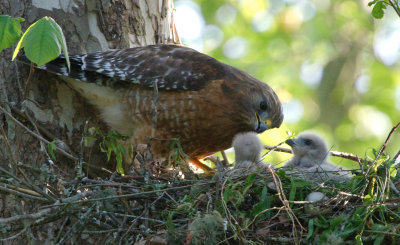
[[208, 229]]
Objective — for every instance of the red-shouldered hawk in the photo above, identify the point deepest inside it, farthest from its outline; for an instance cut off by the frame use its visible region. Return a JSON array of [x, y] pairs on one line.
[[311, 155], [164, 92]]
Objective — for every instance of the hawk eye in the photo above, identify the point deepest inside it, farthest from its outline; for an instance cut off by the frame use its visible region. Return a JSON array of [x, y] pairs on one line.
[[264, 105], [307, 141]]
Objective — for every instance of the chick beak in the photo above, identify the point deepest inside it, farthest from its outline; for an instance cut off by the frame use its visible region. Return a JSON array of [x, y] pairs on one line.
[[290, 142]]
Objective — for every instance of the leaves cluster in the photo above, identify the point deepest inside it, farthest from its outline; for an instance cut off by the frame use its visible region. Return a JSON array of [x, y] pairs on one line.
[[42, 41]]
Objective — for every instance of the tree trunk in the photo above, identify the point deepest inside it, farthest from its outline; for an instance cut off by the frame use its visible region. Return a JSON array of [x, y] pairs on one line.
[[53, 112]]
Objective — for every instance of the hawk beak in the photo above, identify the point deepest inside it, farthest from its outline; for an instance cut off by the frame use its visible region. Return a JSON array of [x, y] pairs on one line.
[[261, 126]]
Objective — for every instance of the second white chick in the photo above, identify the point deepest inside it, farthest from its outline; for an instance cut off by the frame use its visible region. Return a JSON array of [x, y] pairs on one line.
[[248, 149], [310, 155]]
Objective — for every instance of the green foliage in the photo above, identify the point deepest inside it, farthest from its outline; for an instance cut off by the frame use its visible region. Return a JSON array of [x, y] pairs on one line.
[[263, 206], [51, 147], [207, 230], [43, 42], [111, 145], [379, 6], [10, 31], [177, 157], [340, 38]]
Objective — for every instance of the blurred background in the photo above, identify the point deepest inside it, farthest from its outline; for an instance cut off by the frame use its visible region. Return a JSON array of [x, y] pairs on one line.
[[334, 66]]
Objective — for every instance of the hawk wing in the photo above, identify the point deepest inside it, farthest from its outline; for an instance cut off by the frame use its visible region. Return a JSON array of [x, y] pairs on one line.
[[172, 67]]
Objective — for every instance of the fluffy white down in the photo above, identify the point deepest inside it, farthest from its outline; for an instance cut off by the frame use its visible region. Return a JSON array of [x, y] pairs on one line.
[[310, 160]]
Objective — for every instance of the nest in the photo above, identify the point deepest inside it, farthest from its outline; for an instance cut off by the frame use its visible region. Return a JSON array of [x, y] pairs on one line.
[[153, 206], [248, 208]]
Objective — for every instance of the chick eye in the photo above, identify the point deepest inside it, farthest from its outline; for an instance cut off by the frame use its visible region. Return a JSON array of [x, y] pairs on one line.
[[308, 142], [264, 105]]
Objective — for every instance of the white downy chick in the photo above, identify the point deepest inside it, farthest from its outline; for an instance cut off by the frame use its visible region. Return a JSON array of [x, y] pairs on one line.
[[311, 155], [248, 149]]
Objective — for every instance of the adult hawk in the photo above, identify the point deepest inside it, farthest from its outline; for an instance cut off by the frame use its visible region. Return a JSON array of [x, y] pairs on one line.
[[164, 92]]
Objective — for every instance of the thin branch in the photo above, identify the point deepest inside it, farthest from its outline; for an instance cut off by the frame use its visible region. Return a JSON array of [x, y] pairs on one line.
[[28, 81], [127, 195], [285, 203], [226, 161], [26, 191], [10, 152], [15, 236], [68, 155], [386, 141], [394, 7], [345, 155], [18, 193], [34, 216], [25, 182]]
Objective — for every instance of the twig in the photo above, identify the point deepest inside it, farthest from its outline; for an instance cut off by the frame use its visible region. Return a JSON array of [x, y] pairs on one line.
[[74, 198], [24, 195], [345, 155], [139, 217], [285, 202], [42, 146], [170, 197], [395, 8], [383, 147], [127, 195], [226, 161], [34, 216], [37, 136], [16, 235], [34, 187], [11, 154], [230, 217], [79, 224], [275, 148], [21, 114], [371, 164], [26, 191], [136, 217], [28, 81]]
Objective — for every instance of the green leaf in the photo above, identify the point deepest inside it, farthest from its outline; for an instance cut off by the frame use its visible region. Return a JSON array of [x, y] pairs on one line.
[[378, 227], [281, 173], [120, 168], [379, 240], [249, 182], [43, 42], [358, 240], [10, 31], [336, 221], [264, 204], [227, 194], [377, 11], [170, 223], [368, 199], [310, 228], [292, 192], [52, 148], [372, 2]]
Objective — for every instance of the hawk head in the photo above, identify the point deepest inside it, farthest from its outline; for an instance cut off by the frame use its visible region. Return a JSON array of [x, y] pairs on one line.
[[256, 103], [267, 109]]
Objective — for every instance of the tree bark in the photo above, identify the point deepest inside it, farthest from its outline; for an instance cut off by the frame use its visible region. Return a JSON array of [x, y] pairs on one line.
[[52, 110]]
